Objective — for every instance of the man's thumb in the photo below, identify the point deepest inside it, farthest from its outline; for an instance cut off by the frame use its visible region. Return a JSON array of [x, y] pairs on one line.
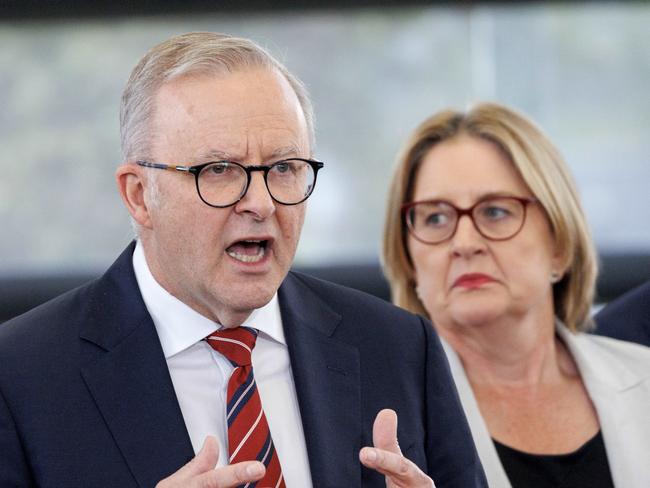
[[384, 431]]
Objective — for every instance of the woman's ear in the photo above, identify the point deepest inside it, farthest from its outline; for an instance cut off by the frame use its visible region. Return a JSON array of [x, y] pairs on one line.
[[559, 263], [132, 188]]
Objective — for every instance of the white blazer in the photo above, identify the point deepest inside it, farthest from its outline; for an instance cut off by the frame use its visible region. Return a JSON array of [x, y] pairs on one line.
[[616, 375]]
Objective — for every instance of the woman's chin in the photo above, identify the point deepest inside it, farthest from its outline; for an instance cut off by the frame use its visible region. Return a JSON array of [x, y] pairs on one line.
[[475, 316]]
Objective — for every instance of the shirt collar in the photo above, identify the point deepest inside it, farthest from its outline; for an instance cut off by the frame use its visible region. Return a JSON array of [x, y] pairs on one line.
[[180, 326]]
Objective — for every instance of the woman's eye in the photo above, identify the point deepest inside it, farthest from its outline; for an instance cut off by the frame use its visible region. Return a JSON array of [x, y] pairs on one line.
[[436, 219], [496, 213]]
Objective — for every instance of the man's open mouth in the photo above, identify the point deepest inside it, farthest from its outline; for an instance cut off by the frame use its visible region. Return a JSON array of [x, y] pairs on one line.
[[248, 251]]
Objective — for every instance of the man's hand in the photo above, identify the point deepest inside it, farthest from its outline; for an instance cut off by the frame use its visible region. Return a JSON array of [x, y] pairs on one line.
[[386, 457], [200, 471]]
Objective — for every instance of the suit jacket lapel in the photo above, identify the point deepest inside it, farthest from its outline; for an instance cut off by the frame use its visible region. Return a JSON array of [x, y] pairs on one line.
[[326, 374], [126, 373]]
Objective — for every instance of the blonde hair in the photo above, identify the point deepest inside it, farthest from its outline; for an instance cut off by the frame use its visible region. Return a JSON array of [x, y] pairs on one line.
[[195, 53], [544, 171]]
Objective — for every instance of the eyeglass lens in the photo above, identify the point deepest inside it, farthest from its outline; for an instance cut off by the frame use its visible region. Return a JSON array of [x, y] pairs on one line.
[[224, 183], [494, 218]]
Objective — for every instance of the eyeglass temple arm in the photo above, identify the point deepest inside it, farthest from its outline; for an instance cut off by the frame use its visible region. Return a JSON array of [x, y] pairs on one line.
[[168, 167]]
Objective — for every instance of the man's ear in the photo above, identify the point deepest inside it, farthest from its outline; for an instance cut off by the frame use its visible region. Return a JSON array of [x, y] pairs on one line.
[[132, 187]]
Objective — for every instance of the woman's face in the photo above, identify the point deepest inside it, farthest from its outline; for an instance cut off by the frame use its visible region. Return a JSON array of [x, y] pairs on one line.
[[469, 280]]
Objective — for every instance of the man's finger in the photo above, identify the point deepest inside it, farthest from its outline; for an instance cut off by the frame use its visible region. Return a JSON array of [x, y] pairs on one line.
[[384, 431], [395, 467], [386, 462], [386, 457], [200, 472], [230, 476], [224, 477]]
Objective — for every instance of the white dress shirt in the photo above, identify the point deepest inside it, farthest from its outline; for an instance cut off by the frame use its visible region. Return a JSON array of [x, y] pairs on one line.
[[200, 375]]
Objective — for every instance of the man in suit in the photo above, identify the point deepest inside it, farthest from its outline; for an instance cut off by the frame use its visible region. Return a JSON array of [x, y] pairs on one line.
[[627, 317], [198, 347]]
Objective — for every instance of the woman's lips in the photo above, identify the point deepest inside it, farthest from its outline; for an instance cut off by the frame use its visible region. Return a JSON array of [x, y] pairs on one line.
[[472, 280]]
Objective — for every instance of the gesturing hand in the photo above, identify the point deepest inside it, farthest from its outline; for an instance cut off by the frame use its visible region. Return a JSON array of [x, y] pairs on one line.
[[200, 471], [386, 456]]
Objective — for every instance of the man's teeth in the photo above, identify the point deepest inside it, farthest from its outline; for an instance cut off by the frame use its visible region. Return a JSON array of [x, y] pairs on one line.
[[249, 258]]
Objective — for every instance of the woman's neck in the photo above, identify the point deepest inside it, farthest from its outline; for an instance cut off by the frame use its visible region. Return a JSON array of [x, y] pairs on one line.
[[510, 353]]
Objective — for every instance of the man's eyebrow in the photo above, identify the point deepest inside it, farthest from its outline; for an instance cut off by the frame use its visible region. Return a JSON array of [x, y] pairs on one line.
[[215, 155], [284, 151], [277, 154]]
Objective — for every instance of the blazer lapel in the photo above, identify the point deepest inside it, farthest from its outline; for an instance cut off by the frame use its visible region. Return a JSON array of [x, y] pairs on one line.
[[619, 394], [326, 375], [625, 429], [494, 471], [126, 373]]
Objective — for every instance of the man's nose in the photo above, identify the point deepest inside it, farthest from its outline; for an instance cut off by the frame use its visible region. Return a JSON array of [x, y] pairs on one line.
[[257, 200]]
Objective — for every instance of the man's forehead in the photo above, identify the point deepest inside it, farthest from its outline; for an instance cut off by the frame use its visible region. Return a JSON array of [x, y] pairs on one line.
[[233, 116], [248, 82], [254, 94]]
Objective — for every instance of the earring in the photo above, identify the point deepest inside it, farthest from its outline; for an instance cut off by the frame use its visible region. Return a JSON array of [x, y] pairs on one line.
[[555, 276], [417, 293]]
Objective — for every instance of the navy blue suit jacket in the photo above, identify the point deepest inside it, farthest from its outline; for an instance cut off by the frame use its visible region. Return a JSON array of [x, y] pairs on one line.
[[627, 317], [86, 399]]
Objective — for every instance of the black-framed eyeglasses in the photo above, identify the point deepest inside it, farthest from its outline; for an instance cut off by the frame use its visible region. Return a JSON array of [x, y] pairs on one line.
[[497, 218], [222, 184]]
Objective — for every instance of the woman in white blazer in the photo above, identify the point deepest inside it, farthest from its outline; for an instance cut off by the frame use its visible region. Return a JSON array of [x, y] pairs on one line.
[[486, 236]]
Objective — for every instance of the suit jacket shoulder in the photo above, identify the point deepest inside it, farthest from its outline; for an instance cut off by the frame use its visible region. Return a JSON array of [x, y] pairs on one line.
[[621, 363], [384, 319], [627, 317], [85, 393]]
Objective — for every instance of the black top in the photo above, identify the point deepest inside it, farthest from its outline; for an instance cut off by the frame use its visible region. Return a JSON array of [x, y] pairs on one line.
[[586, 467]]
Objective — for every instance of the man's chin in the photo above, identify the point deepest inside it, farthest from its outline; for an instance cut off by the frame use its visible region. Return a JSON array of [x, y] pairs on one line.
[[239, 294], [255, 299], [244, 299]]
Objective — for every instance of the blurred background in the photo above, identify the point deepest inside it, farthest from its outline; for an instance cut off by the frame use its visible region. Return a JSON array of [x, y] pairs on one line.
[[375, 69]]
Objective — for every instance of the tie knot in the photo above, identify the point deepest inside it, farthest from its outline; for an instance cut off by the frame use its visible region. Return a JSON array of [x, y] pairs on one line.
[[235, 344]]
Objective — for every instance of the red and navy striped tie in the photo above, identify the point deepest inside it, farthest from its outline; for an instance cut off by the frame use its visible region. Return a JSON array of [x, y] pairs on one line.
[[249, 437]]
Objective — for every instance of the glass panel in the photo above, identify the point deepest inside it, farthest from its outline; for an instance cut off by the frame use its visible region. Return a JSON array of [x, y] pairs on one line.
[[580, 70]]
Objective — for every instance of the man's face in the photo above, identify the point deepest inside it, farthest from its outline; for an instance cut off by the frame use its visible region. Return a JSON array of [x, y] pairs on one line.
[[223, 262]]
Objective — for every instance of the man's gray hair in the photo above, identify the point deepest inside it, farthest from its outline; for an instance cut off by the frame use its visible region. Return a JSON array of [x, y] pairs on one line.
[[195, 53]]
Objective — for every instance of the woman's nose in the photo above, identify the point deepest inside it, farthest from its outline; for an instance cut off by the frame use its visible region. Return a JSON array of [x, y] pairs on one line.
[[467, 240]]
